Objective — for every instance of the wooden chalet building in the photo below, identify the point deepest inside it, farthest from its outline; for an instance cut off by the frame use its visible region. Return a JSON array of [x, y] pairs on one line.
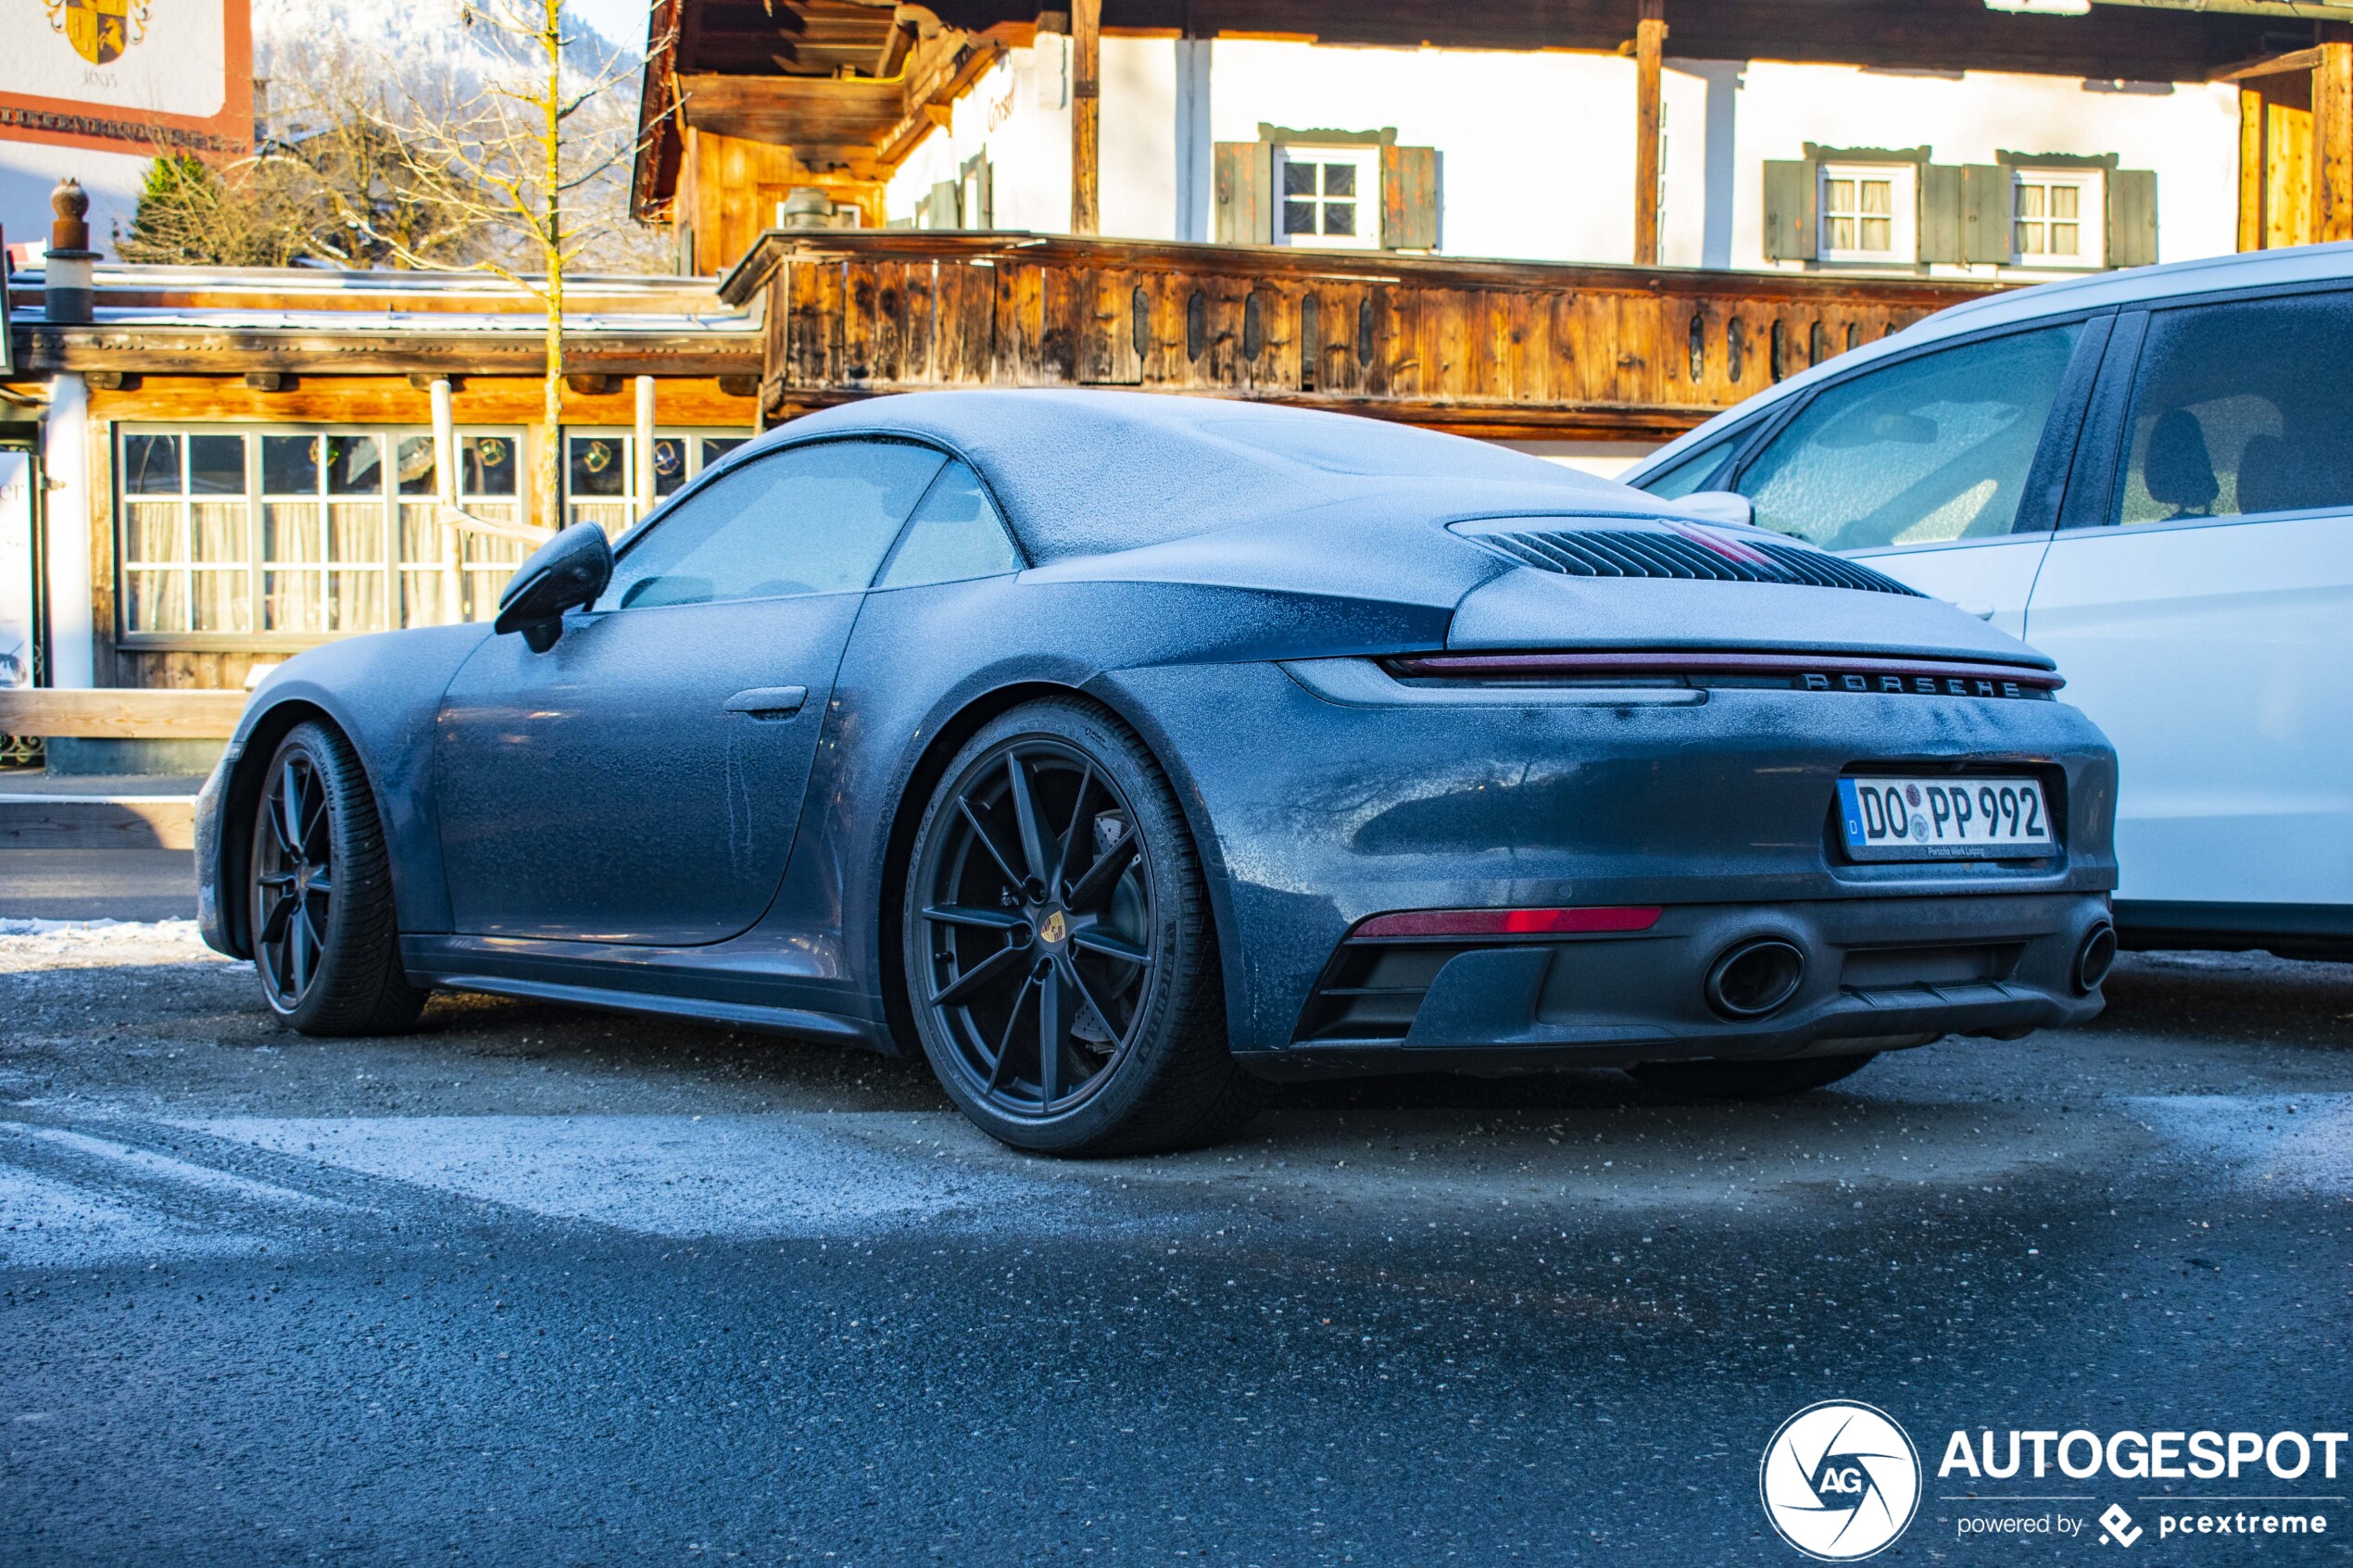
[[1580, 226]]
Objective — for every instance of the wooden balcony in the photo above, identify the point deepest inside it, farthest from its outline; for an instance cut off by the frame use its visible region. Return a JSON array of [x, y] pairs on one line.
[[1517, 350]]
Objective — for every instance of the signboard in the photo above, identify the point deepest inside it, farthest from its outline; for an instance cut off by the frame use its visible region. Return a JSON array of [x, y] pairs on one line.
[[134, 76]]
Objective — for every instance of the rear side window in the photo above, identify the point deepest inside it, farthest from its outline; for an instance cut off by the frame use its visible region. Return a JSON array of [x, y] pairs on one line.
[[808, 519], [1932, 449], [2240, 408], [1693, 470], [954, 535]]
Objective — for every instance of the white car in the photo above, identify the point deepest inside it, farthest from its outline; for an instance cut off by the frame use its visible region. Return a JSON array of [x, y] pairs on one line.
[[2149, 476]]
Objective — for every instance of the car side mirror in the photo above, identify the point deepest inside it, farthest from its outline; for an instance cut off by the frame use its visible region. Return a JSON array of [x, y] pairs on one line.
[[565, 574], [1717, 506]]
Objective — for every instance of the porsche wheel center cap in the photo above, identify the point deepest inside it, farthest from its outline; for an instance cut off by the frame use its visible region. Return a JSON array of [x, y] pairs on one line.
[[1053, 929]]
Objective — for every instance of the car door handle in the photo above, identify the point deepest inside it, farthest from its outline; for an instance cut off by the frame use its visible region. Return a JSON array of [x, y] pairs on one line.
[[769, 702]]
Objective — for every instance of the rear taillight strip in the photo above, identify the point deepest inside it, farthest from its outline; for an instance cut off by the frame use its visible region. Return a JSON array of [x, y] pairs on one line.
[[1833, 668], [1510, 923]]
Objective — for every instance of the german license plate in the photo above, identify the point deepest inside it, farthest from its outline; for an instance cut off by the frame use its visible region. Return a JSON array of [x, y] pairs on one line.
[[1945, 819]]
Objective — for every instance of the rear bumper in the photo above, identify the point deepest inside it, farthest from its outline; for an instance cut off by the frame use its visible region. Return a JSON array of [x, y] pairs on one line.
[[1878, 974]]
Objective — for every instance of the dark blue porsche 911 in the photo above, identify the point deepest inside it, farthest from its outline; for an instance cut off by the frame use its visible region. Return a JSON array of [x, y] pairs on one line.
[[1125, 753]]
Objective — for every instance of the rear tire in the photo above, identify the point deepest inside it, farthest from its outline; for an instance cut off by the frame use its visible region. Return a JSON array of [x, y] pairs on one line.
[[1747, 1080], [325, 943], [1061, 967]]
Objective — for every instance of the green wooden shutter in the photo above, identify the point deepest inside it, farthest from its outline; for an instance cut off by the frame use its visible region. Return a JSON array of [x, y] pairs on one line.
[[1408, 199], [1943, 231], [1244, 172], [939, 211], [1985, 213], [2131, 217], [1790, 193]]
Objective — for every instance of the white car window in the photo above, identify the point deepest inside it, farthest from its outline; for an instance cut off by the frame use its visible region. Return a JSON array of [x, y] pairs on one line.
[[1932, 449], [2240, 408]]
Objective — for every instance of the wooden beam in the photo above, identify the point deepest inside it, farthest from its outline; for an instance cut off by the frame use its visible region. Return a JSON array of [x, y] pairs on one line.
[[1649, 45], [2270, 64], [2251, 173], [2332, 142], [1086, 116], [121, 713]]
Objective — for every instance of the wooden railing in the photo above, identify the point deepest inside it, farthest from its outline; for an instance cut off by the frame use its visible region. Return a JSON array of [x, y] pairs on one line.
[[121, 713], [1507, 349]]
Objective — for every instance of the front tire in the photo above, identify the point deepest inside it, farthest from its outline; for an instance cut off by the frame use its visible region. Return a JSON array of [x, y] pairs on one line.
[[1061, 963], [1747, 1080], [325, 944]]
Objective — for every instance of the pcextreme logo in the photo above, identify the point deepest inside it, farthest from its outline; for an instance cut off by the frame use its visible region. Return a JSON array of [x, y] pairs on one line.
[[1839, 1481]]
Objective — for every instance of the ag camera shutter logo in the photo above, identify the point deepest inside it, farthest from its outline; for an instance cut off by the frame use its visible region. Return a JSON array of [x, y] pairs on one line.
[[1839, 1481]]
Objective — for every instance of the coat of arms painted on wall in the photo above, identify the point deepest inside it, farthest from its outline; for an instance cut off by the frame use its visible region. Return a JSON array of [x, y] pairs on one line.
[[99, 29]]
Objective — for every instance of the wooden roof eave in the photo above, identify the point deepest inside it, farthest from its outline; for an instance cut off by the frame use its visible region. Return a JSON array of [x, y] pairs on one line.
[[136, 348], [743, 282]]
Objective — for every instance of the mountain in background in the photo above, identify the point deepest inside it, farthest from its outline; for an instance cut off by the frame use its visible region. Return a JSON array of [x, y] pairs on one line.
[[423, 37]]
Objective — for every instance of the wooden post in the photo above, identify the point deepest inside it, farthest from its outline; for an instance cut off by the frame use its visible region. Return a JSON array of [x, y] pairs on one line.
[[1650, 41], [444, 495], [2333, 138], [2252, 175], [643, 446], [1086, 116]]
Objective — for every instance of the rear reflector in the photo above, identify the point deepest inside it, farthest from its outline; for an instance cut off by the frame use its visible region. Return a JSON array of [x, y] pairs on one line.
[[1509, 923]]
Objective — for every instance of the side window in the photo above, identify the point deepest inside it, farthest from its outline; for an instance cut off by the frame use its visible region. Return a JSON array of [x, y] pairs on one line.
[[1936, 448], [954, 535], [1695, 468], [809, 520], [2241, 409]]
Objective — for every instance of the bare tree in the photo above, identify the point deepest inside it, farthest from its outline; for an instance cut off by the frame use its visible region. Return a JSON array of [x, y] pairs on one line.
[[243, 214], [330, 136], [527, 163]]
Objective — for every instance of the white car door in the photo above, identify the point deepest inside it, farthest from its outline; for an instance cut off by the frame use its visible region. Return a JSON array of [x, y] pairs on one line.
[[1942, 467], [2204, 619]]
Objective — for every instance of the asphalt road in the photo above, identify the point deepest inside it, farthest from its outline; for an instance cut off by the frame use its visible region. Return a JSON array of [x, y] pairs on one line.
[[535, 1286]]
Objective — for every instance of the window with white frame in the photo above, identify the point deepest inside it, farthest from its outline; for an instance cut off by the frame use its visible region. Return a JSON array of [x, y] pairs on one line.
[[600, 470], [2058, 218], [1327, 196], [300, 533], [1869, 212]]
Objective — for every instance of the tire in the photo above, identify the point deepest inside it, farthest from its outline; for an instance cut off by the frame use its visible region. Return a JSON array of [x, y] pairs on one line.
[[1748, 1080], [1061, 967], [319, 894]]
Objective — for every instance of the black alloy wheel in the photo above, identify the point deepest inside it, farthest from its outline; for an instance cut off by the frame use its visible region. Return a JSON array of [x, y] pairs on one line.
[[325, 945], [1059, 956]]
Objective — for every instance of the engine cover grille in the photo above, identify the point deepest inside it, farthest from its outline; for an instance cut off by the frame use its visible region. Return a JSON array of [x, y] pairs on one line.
[[1674, 549]]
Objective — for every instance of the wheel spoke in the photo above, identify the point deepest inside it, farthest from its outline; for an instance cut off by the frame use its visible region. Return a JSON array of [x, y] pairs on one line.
[[1054, 1027], [1086, 993], [989, 842], [282, 909], [1095, 940], [300, 940], [1069, 839], [1033, 844], [961, 990], [1095, 885], [1005, 1040], [275, 817], [966, 915], [289, 832]]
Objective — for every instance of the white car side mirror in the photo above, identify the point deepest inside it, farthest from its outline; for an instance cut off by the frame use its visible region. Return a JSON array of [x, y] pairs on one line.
[[1717, 506]]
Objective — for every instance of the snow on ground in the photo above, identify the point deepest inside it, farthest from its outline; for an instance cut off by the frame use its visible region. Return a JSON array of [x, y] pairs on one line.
[[91, 944]]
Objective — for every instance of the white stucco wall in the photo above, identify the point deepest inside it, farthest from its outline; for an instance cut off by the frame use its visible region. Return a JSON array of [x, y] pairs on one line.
[[1019, 114], [1537, 150]]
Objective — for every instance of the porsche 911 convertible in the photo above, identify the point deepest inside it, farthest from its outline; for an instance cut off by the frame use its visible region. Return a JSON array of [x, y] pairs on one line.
[[1123, 754]]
